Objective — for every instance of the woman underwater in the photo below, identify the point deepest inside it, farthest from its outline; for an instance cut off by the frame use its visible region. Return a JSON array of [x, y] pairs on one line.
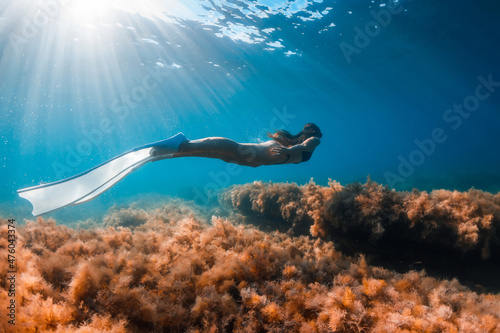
[[284, 148]]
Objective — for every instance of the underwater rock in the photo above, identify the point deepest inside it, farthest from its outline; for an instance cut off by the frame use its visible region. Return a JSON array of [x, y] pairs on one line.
[[467, 223]]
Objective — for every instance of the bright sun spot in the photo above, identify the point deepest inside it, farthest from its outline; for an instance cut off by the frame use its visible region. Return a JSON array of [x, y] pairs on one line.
[[93, 11], [87, 11]]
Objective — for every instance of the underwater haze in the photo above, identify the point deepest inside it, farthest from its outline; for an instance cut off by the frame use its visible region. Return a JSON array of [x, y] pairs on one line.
[[393, 225], [83, 81]]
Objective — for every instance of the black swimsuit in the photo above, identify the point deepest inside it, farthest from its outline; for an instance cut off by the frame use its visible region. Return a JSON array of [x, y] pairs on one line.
[[306, 156]]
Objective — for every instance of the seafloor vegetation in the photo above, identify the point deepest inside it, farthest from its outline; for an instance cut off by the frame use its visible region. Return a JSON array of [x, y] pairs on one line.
[[176, 268], [466, 222]]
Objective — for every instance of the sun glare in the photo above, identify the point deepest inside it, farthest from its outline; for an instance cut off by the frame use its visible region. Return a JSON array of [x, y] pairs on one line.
[[86, 11]]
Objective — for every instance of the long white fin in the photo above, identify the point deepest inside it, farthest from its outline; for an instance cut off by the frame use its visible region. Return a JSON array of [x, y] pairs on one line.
[[86, 186]]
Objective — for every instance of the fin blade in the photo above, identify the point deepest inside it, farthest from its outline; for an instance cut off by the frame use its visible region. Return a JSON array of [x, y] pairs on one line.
[[46, 198], [108, 185]]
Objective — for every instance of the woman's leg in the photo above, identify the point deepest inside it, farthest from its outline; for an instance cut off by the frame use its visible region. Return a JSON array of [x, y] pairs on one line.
[[221, 148]]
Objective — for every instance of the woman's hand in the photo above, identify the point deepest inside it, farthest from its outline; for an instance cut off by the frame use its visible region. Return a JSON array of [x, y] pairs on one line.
[[279, 150]]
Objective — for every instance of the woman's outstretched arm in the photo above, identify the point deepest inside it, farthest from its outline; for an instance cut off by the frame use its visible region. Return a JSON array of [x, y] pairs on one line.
[[308, 145]]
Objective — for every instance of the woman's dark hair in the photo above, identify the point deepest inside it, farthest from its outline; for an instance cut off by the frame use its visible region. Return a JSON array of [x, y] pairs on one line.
[[286, 139]]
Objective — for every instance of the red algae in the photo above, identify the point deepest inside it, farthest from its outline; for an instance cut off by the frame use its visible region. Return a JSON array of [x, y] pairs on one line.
[[168, 270]]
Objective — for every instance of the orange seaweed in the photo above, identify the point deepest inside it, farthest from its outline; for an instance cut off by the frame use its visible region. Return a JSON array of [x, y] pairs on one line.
[[174, 270]]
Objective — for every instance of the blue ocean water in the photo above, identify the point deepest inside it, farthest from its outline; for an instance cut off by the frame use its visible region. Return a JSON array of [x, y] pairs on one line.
[[407, 92]]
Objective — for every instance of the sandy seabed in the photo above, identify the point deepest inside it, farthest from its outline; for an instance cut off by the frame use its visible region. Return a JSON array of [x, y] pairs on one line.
[[272, 257]]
